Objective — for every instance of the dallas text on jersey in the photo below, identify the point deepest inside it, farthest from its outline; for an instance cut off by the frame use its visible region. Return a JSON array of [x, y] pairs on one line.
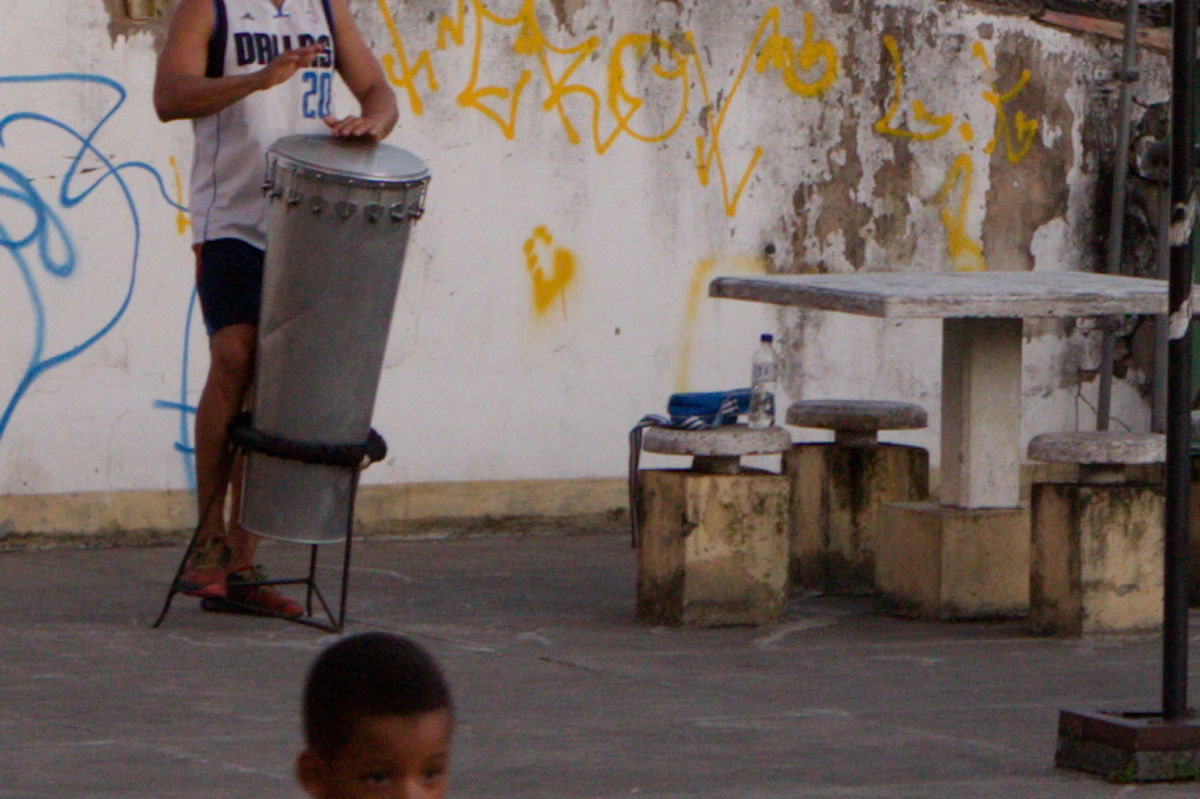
[[260, 48]]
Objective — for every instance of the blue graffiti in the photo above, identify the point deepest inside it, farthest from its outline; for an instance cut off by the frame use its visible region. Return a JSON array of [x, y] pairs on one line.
[[186, 411], [48, 245]]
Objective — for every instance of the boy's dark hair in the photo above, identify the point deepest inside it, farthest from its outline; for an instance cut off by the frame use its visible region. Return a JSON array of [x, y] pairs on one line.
[[368, 675]]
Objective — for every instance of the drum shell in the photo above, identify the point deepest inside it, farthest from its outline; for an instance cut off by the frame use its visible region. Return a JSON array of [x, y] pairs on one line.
[[331, 277]]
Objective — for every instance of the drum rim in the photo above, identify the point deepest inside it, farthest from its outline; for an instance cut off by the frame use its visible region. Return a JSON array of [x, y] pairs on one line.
[[308, 168]]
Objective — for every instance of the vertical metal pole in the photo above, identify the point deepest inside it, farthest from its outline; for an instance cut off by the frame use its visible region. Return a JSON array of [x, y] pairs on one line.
[[1179, 354], [341, 618], [312, 578], [1158, 414], [1127, 76]]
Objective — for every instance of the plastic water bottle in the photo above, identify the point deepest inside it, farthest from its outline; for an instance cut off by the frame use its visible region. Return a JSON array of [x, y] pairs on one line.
[[764, 373]]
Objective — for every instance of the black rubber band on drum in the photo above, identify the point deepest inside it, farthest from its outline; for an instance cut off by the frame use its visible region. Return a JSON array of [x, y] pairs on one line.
[[243, 434]]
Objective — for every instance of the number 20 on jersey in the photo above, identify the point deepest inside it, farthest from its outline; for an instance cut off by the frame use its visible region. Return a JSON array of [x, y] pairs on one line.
[[318, 93]]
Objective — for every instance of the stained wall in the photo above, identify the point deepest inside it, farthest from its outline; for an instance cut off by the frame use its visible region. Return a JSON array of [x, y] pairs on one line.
[[595, 163]]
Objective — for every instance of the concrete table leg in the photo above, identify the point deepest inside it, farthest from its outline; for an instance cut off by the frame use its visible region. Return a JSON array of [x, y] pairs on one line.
[[981, 413], [967, 556], [938, 562]]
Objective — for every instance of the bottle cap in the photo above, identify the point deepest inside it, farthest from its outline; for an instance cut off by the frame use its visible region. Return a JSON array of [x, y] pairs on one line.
[[767, 338]]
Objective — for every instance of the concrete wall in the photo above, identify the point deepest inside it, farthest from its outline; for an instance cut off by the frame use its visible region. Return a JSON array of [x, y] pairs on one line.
[[595, 162]]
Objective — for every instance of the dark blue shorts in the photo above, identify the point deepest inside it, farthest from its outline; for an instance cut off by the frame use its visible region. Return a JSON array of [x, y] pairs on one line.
[[229, 279]]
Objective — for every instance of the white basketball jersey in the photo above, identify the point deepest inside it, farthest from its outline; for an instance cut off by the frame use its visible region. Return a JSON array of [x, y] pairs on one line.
[[229, 158]]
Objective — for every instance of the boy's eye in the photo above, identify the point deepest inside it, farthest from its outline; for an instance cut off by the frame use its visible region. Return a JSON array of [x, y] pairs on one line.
[[377, 778]]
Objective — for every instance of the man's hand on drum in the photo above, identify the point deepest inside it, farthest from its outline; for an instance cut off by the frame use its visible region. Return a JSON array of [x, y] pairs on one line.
[[288, 63], [364, 127]]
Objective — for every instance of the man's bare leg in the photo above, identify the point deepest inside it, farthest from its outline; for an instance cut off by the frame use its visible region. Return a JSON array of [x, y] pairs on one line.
[[242, 543], [230, 371], [242, 586]]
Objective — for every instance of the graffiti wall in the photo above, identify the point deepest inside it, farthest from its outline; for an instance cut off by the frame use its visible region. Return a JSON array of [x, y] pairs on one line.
[[595, 164]]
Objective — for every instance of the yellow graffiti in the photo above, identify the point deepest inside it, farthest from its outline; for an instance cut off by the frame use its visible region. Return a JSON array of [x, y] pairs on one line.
[[182, 222], [407, 79], [954, 196], [708, 146], [623, 105], [807, 70], [560, 88], [1019, 136], [540, 253], [526, 44], [778, 53], [453, 27], [697, 290], [941, 124], [965, 253]]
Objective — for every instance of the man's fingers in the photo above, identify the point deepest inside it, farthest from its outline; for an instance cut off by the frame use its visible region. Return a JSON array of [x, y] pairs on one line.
[[289, 62], [308, 49], [353, 127], [302, 56], [343, 127], [299, 59]]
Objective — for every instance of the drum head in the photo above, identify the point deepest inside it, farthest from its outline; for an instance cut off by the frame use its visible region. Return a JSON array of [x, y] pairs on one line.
[[351, 162]]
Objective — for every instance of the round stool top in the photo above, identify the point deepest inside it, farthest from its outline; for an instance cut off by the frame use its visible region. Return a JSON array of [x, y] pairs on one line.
[[729, 441], [859, 415], [1104, 447]]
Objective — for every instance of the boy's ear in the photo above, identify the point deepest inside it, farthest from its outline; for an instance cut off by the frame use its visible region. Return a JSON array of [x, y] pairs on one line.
[[310, 773]]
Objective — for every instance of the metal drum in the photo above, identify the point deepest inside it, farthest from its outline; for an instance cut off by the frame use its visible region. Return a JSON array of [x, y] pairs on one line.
[[338, 220]]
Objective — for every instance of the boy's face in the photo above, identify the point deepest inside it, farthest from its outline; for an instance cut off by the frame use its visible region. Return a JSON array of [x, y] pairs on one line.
[[385, 756]]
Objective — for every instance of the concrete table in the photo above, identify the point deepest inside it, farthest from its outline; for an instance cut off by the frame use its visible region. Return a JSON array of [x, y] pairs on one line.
[[967, 556], [982, 315]]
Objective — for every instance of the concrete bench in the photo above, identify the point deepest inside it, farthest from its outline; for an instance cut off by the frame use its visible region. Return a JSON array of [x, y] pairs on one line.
[[837, 488], [712, 539], [1097, 543]]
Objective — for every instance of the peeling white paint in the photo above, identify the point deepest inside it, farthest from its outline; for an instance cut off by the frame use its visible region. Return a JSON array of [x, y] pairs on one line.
[[1049, 242]]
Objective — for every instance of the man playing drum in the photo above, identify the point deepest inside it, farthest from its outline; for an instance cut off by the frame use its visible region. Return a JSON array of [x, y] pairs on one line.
[[247, 72]]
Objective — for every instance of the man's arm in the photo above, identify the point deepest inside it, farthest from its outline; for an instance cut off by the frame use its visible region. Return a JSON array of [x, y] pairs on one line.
[[181, 89], [361, 71]]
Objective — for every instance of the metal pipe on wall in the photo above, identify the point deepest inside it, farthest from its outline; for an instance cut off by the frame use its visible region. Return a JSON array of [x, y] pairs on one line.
[[1116, 222], [1158, 411]]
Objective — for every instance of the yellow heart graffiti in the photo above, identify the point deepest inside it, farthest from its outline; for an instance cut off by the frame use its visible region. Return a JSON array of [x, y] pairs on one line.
[[540, 253]]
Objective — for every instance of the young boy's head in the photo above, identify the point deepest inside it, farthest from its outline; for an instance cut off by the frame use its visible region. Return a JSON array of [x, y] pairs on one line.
[[377, 721]]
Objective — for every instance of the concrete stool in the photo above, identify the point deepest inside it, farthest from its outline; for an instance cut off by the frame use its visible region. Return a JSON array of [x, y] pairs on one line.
[[712, 540], [837, 488], [1097, 550]]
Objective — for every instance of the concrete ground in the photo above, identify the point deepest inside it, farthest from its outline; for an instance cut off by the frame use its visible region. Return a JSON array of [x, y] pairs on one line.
[[560, 692]]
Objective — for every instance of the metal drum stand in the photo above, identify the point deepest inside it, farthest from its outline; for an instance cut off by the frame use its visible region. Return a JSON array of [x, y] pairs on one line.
[[351, 457]]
